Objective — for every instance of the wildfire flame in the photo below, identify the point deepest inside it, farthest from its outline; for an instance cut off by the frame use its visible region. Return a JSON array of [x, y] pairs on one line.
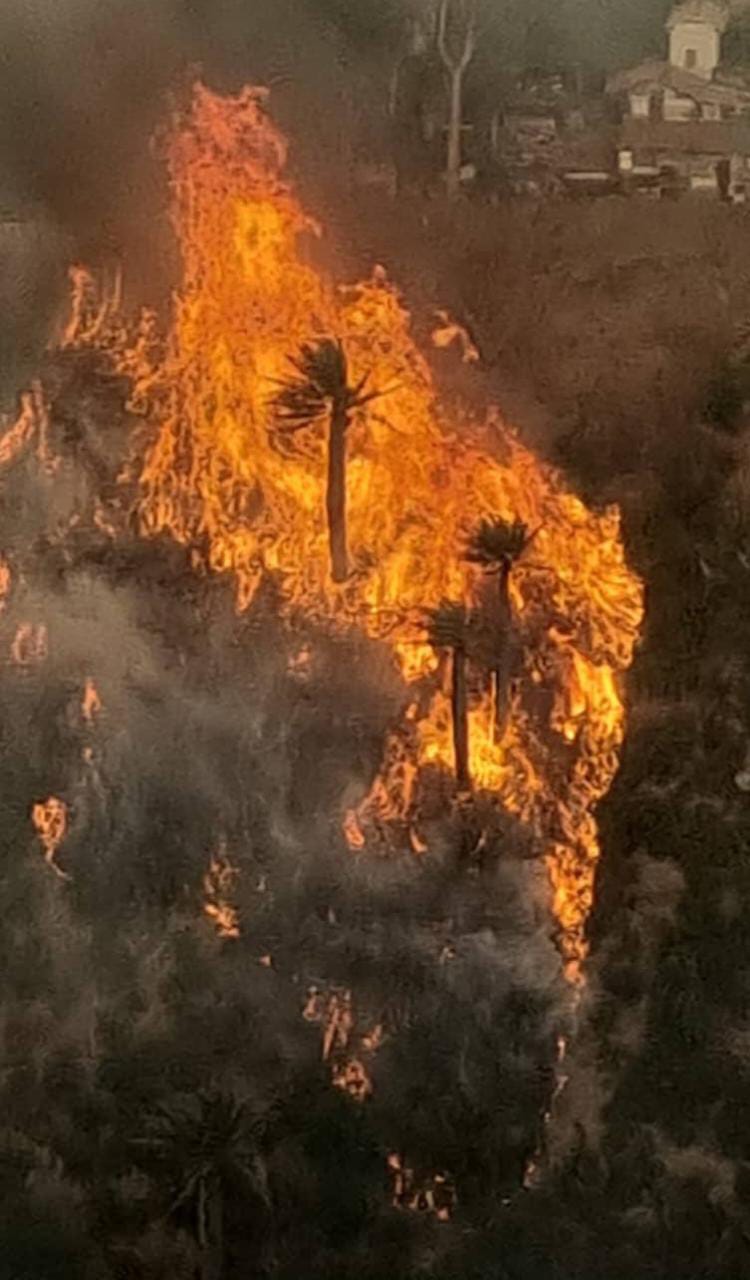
[[51, 821], [91, 307], [435, 1195], [31, 421], [354, 835], [416, 482], [91, 703], [448, 333], [6, 581], [29, 644], [343, 1043], [217, 885]]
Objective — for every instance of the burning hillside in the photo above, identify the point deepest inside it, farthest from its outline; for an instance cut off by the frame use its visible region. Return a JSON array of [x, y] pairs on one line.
[[295, 435], [319, 685]]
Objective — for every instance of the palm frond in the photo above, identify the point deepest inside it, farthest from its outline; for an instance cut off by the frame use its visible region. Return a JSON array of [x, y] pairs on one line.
[[320, 380], [497, 542], [324, 366], [447, 625]]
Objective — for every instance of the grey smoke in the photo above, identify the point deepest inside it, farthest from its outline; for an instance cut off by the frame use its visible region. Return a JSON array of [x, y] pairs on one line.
[[83, 85]]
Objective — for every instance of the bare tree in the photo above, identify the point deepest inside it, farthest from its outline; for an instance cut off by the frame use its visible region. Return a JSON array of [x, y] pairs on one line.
[[457, 42]]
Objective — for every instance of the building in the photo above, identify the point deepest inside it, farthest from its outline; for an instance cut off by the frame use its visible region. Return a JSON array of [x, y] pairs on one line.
[[695, 30], [685, 115]]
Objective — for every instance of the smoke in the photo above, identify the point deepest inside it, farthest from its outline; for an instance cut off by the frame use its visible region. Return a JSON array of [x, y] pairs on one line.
[[653, 890], [80, 95], [204, 737], [84, 86]]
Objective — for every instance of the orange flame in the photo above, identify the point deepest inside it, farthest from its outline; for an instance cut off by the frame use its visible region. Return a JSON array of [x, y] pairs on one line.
[[29, 644], [91, 703], [353, 832], [448, 333], [91, 308], [6, 581], [354, 1079], [217, 884], [300, 664], [51, 821], [31, 421], [334, 1013], [435, 1195], [416, 483]]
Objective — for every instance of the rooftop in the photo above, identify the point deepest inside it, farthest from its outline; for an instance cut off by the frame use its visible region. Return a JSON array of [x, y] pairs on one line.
[[714, 12], [663, 75]]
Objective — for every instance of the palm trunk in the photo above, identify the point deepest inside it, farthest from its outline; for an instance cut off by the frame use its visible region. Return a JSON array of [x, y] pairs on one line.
[[336, 495], [453, 171], [212, 1263], [210, 1231], [501, 673], [506, 614], [460, 721]]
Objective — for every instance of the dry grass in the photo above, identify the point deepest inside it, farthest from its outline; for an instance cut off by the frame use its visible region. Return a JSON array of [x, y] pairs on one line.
[[604, 319]]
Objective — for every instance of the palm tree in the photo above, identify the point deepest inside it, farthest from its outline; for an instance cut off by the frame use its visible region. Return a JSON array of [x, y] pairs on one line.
[[320, 389], [209, 1149], [497, 545], [447, 628]]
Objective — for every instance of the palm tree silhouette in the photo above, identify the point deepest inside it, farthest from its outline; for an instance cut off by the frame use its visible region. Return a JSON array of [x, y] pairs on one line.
[[208, 1149], [447, 628], [320, 389], [497, 545]]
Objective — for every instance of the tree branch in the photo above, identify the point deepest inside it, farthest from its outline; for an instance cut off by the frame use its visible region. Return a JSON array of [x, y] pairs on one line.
[[457, 65]]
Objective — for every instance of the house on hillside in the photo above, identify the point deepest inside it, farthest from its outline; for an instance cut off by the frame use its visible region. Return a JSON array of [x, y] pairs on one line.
[[544, 129], [686, 117]]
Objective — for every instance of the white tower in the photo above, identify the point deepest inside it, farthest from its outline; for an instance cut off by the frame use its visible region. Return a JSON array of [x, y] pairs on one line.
[[695, 30]]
